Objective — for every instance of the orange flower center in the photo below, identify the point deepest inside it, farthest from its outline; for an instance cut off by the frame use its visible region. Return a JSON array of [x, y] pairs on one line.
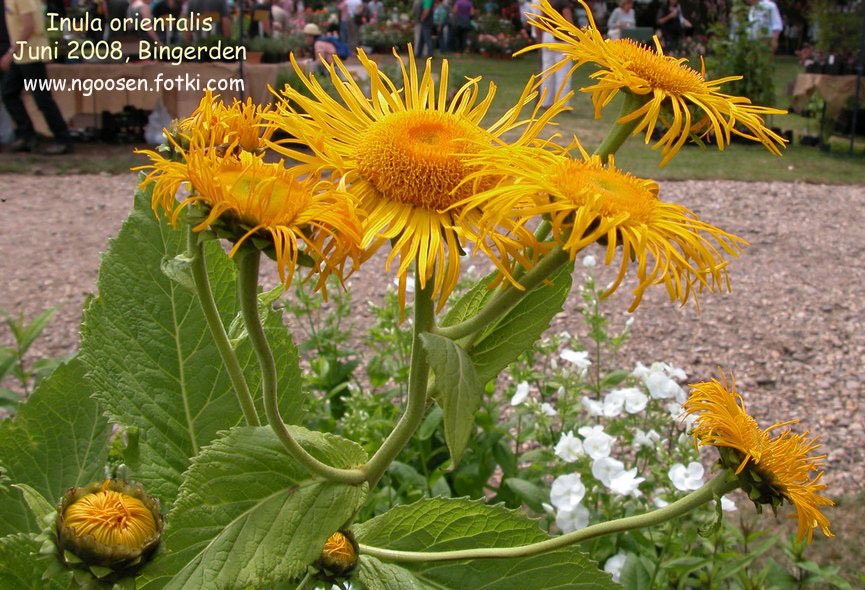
[[659, 71], [611, 191]]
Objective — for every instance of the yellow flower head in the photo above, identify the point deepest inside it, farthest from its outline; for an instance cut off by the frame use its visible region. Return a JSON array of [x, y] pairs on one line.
[[587, 202], [111, 524], [770, 468], [402, 153], [239, 126], [339, 554], [245, 197], [662, 81]]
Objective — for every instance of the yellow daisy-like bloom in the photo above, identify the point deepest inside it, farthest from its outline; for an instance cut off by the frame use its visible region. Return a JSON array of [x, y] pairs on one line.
[[587, 201], [239, 125], [768, 466], [112, 519], [339, 554], [662, 81], [245, 196], [402, 153]]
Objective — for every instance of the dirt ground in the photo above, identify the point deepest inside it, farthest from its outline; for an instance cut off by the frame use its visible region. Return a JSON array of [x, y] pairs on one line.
[[793, 330]]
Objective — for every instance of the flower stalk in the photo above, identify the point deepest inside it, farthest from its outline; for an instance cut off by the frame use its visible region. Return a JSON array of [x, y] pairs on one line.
[[198, 265], [722, 484], [619, 132], [248, 262]]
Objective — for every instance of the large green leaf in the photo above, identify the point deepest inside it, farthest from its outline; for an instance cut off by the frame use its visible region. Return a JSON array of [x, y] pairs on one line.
[[458, 390], [58, 439], [442, 524], [513, 334], [248, 515], [470, 302], [21, 568], [152, 361]]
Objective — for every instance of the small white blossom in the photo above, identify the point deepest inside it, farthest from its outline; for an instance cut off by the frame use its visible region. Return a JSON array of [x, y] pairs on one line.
[[592, 406], [727, 505], [569, 448], [627, 483], [605, 469], [589, 261], [567, 491], [646, 439], [687, 478], [660, 386], [660, 502], [629, 322], [614, 565], [613, 403], [521, 394], [569, 521], [579, 358], [640, 371], [635, 400], [548, 410], [548, 508], [596, 442]]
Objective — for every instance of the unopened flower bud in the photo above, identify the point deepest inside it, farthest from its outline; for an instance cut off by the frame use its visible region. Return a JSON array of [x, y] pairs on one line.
[[339, 555]]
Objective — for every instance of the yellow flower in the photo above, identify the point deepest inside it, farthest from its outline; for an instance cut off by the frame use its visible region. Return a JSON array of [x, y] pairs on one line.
[[112, 519], [339, 554], [770, 468], [401, 152], [216, 124], [243, 196], [587, 202], [663, 82]]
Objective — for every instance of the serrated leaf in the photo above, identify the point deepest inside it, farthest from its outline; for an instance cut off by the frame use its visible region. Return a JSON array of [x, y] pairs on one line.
[[249, 515], [58, 439], [520, 328], [441, 524], [152, 361], [458, 390], [470, 302], [22, 570], [39, 506]]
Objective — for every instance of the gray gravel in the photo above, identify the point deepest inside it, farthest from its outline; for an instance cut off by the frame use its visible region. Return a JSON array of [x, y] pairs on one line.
[[793, 330]]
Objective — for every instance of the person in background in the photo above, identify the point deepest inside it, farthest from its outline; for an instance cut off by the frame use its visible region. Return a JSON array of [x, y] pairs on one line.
[[672, 23], [463, 12], [599, 11], [163, 9], [622, 17], [261, 19], [25, 21], [214, 9], [764, 21], [322, 48], [426, 29], [139, 11], [349, 10], [280, 20], [558, 83], [374, 11], [440, 22]]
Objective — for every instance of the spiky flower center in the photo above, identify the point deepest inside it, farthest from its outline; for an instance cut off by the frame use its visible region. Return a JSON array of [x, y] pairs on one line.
[[416, 157], [112, 519], [660, 71], [263, 193], [612, 191]]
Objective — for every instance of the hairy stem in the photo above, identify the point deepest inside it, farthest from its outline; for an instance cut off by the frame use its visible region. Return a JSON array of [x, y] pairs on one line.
[[424, 318], [195, 247], [619, 132], [505, 300], [247, 280], [722, 484]]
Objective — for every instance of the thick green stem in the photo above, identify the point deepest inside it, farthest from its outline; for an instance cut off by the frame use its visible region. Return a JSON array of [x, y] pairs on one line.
[[217, 328], [247, 281], [424, 319], [619, 132], [719, 486], [505, 300]]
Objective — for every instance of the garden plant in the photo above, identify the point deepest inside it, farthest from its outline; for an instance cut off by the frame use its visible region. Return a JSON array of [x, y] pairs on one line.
[[171, 452]]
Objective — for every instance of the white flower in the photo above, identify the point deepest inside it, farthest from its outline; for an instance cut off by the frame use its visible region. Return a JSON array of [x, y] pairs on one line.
[[554, 364], [579, 358], [521, 394], [660, 502], [646, 439], [589, 261], [592, 406], [676, 373], [627, 483], [678, 413], [548, 508], [687, 478], [596, 442], [640, 371], [727, 505], [409, 284], [605, 469], [569, 521], [629, 322], [635, 400], [548, 410], [614, 565], [660, 386], [613, 403], [567, 491], [569, 448]]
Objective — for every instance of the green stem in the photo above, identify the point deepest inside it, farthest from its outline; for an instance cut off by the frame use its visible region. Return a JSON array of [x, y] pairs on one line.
[[619, 132], [198, 265], [247, 281], [505, 300], [722, 484], [424, 319], [308, 581]]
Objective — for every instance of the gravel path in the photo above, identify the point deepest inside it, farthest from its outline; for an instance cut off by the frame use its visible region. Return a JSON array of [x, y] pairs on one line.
[[793, 330]]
